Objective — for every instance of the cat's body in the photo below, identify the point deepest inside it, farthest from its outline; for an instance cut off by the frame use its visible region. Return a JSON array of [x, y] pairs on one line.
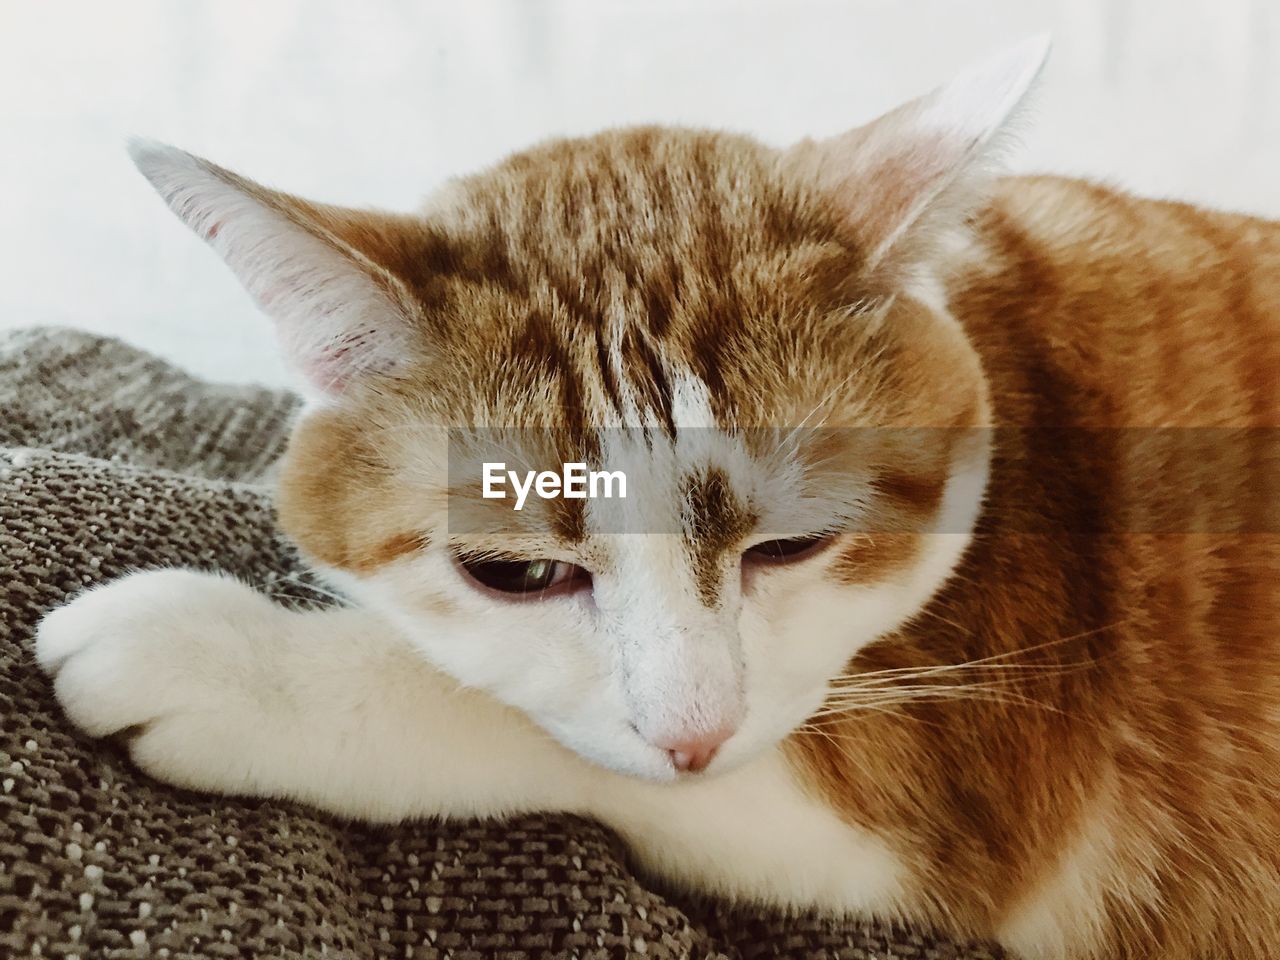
[[1052, 719], [1148, 783]]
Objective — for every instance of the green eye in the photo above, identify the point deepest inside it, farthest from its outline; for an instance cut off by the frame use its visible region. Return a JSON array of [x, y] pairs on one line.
[[788, 550], [520, 576]]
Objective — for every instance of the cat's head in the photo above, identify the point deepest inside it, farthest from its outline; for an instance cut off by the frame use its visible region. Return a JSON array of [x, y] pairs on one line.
[[755, 336]]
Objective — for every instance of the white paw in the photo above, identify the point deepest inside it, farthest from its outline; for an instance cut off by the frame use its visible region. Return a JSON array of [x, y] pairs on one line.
[[167, 658]]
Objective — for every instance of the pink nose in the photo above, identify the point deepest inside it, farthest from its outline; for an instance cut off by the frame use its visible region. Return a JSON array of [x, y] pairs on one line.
[[692, 753]]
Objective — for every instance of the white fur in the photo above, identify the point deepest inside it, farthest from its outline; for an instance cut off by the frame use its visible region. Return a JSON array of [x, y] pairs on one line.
[[1068, 905], [237, 695]]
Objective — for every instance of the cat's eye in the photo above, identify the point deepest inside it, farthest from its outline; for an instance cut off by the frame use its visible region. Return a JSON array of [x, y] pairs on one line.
[[787, 549], [509, 575]]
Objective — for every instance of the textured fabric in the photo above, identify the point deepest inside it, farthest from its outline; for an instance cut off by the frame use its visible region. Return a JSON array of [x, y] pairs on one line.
[[112, 461]]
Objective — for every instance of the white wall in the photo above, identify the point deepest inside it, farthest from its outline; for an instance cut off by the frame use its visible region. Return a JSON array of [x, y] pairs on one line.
[[375, 101]]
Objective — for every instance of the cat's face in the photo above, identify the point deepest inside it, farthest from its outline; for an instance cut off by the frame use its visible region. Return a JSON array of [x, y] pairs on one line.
[[751, 335]]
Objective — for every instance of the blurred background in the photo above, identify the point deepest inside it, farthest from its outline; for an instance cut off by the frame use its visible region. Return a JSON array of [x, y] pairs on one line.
[[377, 102]]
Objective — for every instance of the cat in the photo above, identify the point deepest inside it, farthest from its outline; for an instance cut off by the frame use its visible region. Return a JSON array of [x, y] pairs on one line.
[[975, 640]]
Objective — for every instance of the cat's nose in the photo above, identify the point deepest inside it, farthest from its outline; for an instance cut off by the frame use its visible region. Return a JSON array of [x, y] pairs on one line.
[[692, 753]]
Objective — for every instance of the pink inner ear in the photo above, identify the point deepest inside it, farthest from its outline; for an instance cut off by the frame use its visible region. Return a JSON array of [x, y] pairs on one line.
[[327, 373], [880, 175], [333, 365]]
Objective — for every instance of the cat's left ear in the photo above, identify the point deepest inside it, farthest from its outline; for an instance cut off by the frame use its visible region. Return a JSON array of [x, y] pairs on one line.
[[904, 180], [327, 276]]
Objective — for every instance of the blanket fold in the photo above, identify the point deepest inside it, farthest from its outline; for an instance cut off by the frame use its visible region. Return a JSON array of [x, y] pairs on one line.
[[111, 461]]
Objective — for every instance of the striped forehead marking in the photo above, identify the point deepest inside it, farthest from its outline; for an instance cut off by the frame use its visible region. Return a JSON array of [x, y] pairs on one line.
[[715, 520]]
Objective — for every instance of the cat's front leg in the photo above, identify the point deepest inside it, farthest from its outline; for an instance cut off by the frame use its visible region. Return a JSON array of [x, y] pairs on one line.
[[217, 688]]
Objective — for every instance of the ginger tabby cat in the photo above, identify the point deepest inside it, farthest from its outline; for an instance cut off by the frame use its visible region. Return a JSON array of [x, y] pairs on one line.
[[946, 589]]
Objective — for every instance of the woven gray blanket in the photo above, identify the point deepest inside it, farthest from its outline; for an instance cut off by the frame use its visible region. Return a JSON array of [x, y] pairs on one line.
[[112, 461]]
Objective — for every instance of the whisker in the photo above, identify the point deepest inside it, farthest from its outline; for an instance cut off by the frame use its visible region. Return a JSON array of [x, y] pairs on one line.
[[987, 662], [934, 693]]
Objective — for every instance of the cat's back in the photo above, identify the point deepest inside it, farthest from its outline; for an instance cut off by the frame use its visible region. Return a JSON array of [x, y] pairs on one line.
[[1144, 311], [1140, 341], [1134, 312], [1131, 348]]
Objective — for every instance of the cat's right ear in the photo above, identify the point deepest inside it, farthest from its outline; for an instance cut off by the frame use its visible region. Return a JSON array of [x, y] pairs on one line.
[[340, 315], [903, 181]]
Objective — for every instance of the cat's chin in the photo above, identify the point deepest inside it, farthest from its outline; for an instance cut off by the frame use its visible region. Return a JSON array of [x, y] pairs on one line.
[[629, 756]]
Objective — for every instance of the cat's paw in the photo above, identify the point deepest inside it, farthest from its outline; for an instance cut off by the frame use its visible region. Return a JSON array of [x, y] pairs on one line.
[[166, 659]]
